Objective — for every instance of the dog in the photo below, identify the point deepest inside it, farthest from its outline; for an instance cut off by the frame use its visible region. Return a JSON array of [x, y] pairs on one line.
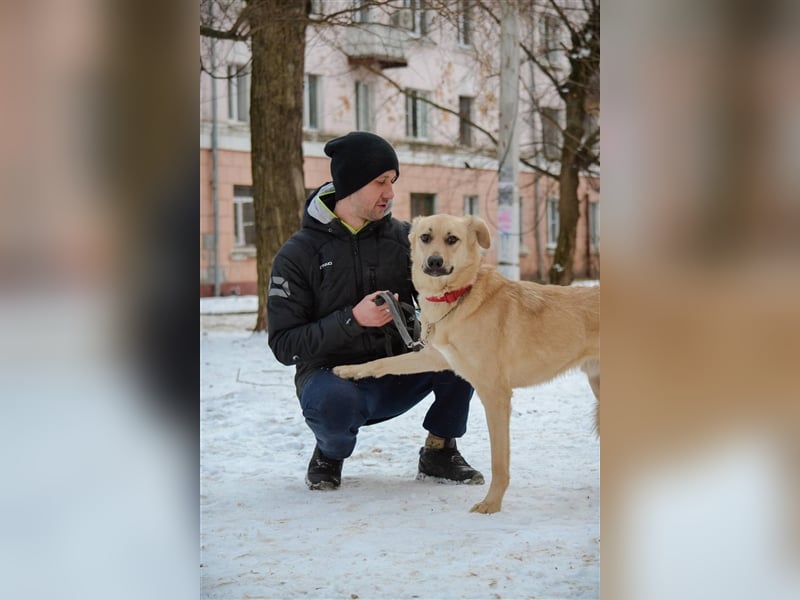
[[496, 333]]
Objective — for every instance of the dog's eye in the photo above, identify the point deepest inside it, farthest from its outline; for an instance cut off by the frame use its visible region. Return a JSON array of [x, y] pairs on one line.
[[425, 238], [450, 240]]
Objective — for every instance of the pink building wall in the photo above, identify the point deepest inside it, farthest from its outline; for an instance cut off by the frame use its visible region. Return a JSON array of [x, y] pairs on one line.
[[433, 163], [450, 185]]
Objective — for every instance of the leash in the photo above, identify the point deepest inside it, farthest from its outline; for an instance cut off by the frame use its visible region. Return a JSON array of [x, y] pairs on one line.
[[461, 294], [399, 320]]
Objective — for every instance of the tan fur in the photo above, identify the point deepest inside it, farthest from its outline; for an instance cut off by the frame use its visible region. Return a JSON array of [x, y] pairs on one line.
[[501, 335]]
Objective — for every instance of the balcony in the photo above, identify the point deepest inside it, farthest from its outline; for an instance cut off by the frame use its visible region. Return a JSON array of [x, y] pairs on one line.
[[376, 43]]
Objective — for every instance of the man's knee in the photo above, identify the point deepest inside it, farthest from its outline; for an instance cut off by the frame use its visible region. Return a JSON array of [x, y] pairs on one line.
[[449, 384], [335, 408]]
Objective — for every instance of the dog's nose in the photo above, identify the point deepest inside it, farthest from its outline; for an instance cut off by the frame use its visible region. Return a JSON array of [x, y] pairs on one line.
[[435, 262]]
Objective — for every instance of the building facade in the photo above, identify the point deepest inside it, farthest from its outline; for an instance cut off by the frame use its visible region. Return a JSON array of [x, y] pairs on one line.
[[427, 82]]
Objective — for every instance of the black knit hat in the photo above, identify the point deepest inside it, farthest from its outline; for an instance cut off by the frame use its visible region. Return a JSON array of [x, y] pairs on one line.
[[357, 158]]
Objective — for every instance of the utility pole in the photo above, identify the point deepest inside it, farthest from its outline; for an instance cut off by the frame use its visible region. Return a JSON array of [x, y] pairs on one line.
[[508, 226], [214, 158]]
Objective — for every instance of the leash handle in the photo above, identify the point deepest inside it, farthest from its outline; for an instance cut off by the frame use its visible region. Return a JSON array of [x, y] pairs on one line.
[[399, 320]]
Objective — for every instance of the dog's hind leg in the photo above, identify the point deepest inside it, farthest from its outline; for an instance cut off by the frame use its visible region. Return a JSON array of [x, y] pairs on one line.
[[594, 381], [592, 370], [497, 405]]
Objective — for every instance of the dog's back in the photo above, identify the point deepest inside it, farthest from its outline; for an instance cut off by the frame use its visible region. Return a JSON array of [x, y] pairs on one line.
[[531, 331]]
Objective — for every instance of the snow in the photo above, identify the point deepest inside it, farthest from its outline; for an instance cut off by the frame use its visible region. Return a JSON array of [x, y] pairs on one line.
[[384, 534], [227, 305]]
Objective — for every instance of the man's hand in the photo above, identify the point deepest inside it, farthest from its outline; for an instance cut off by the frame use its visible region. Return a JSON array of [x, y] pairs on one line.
[[369, 314]]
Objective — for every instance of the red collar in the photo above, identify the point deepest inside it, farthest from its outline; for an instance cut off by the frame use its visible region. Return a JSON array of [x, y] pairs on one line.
[[449, 296]]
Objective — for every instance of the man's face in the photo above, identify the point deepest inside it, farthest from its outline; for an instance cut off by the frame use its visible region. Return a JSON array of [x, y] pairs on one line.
[[371, 201]]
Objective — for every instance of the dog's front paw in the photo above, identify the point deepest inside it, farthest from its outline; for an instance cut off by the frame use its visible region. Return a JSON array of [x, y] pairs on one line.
[[486, 507], [350, 371]]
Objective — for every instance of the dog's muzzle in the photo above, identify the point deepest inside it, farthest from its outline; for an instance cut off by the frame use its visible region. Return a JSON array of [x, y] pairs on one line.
[[434, 266]]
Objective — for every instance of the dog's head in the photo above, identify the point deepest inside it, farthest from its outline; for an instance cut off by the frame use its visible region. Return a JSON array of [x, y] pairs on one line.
[[445, 250]]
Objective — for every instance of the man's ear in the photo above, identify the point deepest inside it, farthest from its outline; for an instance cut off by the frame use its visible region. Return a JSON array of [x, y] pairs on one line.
[[481, 230]]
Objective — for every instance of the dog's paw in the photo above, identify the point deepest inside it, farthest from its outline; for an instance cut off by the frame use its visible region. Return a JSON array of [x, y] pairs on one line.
[[349, 372], [485, 507]]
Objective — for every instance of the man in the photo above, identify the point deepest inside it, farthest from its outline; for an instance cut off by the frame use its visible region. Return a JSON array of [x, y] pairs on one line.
[[322, 313]]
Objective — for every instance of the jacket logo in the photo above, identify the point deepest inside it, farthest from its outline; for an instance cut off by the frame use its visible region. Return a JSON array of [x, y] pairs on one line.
[[279, 287], [326, 264]]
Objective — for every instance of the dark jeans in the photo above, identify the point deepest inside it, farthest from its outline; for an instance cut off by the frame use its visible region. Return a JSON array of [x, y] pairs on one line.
[[336, 408]]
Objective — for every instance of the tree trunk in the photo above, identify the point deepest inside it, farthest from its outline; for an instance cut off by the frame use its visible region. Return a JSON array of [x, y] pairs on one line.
[[561, 271], [583, 71], [278, 30]]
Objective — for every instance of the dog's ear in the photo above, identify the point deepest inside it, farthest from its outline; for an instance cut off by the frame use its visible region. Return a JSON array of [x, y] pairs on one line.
[[412, 232], [481, 230]]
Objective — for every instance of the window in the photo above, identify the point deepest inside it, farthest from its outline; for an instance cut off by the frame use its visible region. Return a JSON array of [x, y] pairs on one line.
[[552, 222], [412, 16], [550, 31], [316, 8], [416, 114], [594, 225], [244, 224], [551, 132], [422, 205], [472, 205], [465, 22], [465, 120], [311, 101], [364, 115], [361, 14], [239, 93]]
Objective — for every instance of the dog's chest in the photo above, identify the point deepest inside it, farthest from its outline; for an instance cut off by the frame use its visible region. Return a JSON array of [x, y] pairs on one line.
[[450, 353], [447, 351]]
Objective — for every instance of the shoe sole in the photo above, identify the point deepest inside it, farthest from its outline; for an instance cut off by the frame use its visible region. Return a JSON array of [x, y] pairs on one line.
[[322, 485], [477, 480]]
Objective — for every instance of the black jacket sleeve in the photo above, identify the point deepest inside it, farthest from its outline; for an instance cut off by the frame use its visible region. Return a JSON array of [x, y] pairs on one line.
[[295, 335]]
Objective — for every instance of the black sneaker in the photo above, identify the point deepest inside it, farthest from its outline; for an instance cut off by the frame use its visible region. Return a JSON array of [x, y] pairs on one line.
[[323, 473], [440, 458]]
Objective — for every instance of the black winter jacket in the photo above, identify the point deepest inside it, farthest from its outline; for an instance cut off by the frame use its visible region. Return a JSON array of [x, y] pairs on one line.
[[320, 274]]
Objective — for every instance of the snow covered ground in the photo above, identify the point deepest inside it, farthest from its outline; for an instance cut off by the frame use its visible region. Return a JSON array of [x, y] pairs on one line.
[[384, 534]]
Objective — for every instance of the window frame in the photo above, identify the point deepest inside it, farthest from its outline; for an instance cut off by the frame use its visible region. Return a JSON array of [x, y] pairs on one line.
[[242, 194], [552, 132], [466, 106], [417, 115], [465, 23], [238, 92], [419, 22], [550, 30], [594, 225], [365, 113], [361, 11], [428, 199], [472, 204], [312, 101], [552, 222]]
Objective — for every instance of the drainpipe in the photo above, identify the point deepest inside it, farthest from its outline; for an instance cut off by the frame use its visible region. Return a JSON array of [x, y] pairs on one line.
[[508, 226], [536, 218], [214, 161]]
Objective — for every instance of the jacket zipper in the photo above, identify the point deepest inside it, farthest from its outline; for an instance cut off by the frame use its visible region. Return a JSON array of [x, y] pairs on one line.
[[357, 266]]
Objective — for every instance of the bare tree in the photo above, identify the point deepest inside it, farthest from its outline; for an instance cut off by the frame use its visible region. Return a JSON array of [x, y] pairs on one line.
[[570, 64], [578, 150], [577, 89], [276, 32]]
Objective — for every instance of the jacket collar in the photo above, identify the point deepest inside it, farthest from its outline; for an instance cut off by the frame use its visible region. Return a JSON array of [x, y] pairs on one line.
[[319, 208]]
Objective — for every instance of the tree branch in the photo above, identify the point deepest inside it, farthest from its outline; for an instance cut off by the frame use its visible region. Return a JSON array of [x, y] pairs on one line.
[[446, 109], [235, 31]]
